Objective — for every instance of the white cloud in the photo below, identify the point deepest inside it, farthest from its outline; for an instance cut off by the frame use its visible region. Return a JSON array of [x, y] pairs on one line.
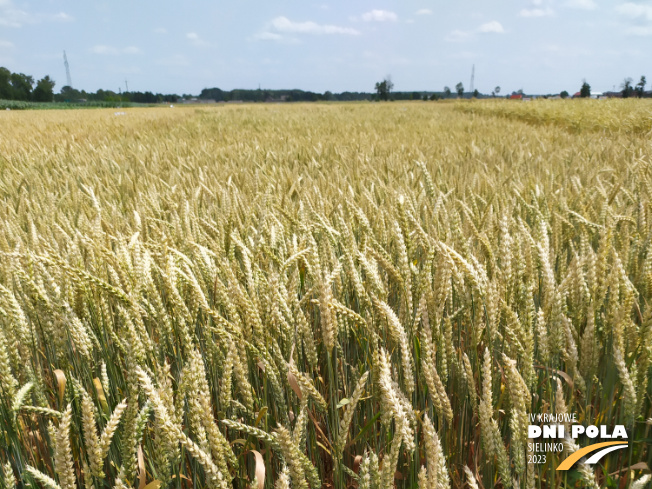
[[62, 17], [105, 50], [582, 4], [640, 30], [274, 36], [458, 36], [536, 12], [268, 36], [635, 11], [638, 14], [281, 29], [174, 60], [160, 30], [131, 50], [6, 44], [12, 16], [379, 16], [284, 25], [494, 27], [194, 38], [424, 11]]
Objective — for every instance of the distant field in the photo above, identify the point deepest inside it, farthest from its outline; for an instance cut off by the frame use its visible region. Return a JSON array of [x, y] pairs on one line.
[[611, 115], [26, 105], [323, 295]]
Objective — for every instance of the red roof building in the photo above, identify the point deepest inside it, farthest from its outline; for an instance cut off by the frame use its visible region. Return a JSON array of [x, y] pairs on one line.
[[516, 96]]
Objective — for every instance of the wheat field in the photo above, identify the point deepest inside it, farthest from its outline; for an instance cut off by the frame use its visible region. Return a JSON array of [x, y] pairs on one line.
[[322, 295]]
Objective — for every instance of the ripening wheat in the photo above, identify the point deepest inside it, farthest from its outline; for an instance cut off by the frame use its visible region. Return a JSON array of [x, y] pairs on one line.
[[310, 296]]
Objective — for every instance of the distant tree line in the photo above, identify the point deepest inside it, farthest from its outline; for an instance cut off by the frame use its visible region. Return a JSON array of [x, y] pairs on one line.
[[384, 92], [69, 94], [627, 89], [21, 87], [18, 86], [265, 95], [296, 95]]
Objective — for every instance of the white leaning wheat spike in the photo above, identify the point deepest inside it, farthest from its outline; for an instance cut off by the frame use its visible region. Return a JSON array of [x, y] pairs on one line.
[[111, 427], [641, 483], [349, 412], [629, 402], [437, 472], [470, 478], [216, 478], [91, 438], [44, 479], [399, 335], [394, 405], [8, 474], [63, 459], [520, 400], [586, 472]]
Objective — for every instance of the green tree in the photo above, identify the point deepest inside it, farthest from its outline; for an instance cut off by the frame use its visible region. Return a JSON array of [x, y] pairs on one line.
[[627, 89], [564, 94], [5, 83], [585, 91], [68, 94], [640, 86], [459, 88], [476, 94], [447, 92], [497, 90], [384, 88], [44, 91], [21, 86]]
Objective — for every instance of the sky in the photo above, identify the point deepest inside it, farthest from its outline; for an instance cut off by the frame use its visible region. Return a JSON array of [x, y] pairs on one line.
[[539, 46]]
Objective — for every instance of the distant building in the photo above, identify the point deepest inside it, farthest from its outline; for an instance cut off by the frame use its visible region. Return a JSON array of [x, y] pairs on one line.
[[516, 96], [282, 98], [196, 100]]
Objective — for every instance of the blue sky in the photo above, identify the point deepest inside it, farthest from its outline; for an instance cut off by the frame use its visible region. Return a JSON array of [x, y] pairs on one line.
[[541, 46]]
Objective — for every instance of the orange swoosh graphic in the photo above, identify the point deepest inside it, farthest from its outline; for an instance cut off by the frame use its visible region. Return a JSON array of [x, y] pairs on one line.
[[574, 457]]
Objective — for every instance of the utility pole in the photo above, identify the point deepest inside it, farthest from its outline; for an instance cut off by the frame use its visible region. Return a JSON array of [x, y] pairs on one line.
[[126, 86]]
